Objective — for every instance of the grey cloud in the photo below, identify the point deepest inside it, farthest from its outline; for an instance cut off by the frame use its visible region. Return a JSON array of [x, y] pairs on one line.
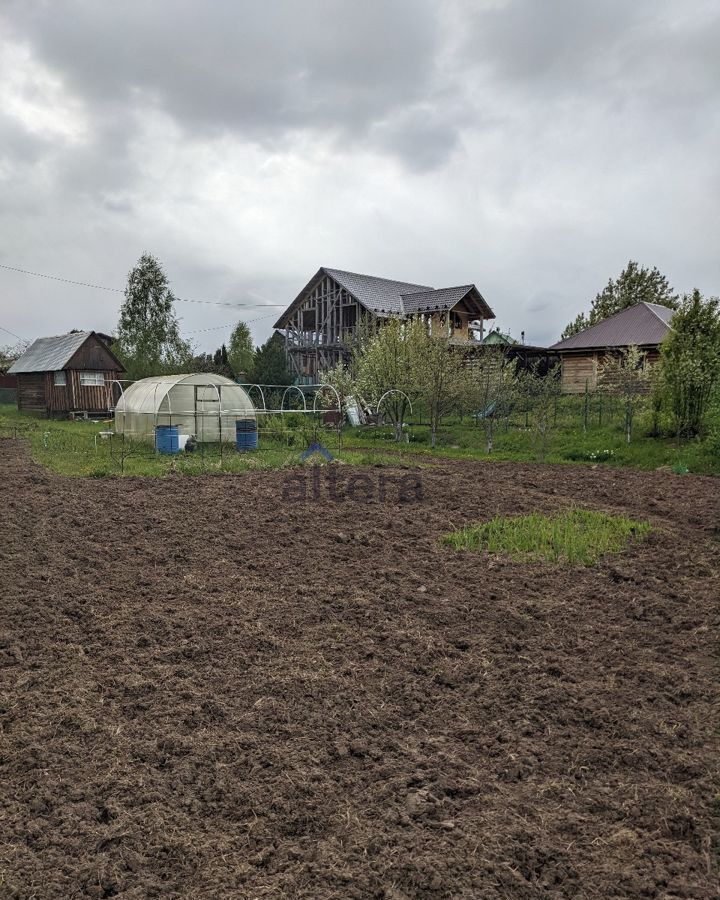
[[239, 67], [532, 146], [423, 136], [559, 41], [19, 147], [614, 53]]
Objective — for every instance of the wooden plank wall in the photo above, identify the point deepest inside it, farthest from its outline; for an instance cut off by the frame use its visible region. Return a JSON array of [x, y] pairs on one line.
[[578, 370], [81, 398], [577, 367], [38, 393], [31, 393]]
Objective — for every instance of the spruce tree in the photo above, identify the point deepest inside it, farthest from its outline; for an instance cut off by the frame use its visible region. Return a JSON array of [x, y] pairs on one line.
[[270, 363]]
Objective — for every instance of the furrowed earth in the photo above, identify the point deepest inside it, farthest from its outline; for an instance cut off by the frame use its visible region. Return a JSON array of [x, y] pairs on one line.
[[210, 691]]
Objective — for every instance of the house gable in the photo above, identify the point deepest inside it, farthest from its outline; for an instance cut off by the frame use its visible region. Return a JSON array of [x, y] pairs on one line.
[[95, 354]]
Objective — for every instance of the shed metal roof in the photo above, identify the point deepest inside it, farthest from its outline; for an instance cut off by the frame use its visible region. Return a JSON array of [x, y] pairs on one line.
[[49, 354], [643, 325]]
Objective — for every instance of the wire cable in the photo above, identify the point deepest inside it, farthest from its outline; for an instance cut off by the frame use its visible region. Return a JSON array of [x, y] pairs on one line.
[[100, 287], [229, 325], [2, 328]]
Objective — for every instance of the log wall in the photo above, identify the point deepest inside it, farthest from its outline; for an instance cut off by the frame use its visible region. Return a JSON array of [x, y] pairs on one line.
[[578, 371], [579, 368]]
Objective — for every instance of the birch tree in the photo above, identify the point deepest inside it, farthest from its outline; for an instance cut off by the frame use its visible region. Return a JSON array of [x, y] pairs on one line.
[[148, 335], [240, 352]]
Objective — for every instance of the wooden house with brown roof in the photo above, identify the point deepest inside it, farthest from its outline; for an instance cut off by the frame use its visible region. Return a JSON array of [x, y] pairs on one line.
[[643, 325], [75, 373]]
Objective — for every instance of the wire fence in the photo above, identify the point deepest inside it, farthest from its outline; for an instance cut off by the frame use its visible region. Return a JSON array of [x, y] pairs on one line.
[[295, 429], [587, 411]]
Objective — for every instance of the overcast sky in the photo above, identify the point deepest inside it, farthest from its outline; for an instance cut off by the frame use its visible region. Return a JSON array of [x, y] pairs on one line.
[[529, 146]]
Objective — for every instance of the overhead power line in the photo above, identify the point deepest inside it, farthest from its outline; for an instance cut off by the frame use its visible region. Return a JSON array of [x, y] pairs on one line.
[[100, 287], [2, 328], [97, 287], [230, 324]]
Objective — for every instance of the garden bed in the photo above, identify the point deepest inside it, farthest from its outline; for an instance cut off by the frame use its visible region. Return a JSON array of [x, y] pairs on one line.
[[209, 692]]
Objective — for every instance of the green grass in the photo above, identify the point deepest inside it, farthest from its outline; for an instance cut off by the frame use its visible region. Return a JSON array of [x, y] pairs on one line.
[[601, 442], [69, 447], [575, 536]]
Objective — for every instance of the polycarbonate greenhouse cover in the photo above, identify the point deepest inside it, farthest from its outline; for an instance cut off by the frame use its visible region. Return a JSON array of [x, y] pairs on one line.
[[204, 405]]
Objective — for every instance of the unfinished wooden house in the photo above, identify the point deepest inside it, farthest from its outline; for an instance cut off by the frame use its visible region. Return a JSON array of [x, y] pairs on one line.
[[320, 322], [73, 373], [582, 355]]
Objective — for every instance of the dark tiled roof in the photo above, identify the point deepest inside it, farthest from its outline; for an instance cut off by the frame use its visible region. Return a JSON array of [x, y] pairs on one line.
[[49, 354], [644, 324], [379, 295], [386, 297], [442, 298]]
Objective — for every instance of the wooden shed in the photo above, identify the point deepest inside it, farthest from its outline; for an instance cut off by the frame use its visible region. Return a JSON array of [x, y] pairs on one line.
[[73, 373], [582, 355]]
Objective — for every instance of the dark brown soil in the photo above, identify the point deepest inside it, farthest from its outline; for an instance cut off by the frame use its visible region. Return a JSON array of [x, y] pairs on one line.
[[208, 692]]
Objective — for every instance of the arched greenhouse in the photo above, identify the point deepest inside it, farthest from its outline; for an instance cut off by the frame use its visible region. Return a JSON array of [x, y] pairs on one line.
[[205, 406]]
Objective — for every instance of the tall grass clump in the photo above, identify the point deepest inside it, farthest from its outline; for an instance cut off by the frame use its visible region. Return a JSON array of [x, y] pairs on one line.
[[576, 536]]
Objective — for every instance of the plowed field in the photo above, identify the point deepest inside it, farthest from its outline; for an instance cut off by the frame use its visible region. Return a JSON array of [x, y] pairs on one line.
[[209, 691]]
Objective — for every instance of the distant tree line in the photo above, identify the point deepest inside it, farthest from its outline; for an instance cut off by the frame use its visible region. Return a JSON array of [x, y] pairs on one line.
[[402, 362]]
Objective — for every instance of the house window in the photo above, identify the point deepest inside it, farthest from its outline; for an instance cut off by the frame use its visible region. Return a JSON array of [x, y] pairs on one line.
[[92, 379], [59, 379]]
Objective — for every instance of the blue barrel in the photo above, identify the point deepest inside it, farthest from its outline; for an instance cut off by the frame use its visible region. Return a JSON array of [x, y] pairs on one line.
[[167, 438], [246, 436]]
